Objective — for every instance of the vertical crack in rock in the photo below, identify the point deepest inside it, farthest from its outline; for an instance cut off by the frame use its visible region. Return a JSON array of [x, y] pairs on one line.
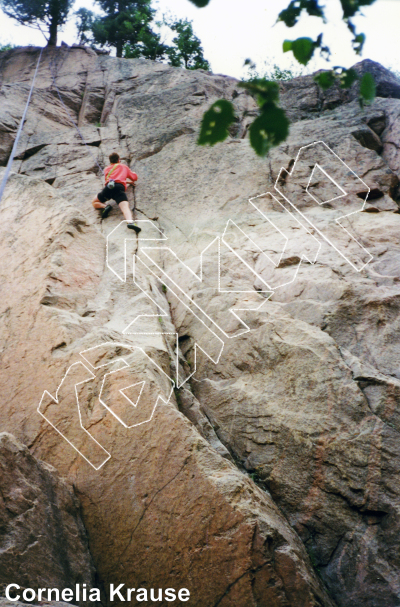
[[186, 401], [82, 109]]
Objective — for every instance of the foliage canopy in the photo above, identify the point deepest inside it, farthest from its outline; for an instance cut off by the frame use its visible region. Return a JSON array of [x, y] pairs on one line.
[[127, 26], [271, 127], [187, 50], [124, 22], [84, 23], [44, 15]]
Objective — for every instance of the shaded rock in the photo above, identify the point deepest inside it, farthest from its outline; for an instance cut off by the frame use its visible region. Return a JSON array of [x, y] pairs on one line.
[[387, 83], [302, 97], [43, 542]]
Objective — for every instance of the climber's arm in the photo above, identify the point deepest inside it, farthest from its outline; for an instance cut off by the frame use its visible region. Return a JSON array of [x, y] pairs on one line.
[[131, 177]]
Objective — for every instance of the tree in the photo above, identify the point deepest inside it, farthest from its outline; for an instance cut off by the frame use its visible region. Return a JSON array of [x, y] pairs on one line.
[[148, 47], [124, 22], [39, 14], [84, 23], [271, 127], [127, 26], [187, 51]]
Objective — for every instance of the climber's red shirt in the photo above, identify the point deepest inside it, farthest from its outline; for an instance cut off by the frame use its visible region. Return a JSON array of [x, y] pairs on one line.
[[120, 173]]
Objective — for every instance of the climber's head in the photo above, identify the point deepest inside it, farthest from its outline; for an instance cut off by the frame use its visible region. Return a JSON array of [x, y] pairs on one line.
[[114, 158]]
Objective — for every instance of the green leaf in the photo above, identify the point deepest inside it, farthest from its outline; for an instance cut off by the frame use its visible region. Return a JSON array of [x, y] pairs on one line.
[[367, 88], [358, 43], [269, 129], [265, 90], [287, 46], [314, 9], [347, 77], [328, 78], [291, 14], [325, 79], [200, 3], [303, 49], [215, 123], [351, 7]]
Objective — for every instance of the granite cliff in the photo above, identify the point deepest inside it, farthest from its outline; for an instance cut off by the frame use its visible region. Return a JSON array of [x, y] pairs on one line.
[[266, 473]]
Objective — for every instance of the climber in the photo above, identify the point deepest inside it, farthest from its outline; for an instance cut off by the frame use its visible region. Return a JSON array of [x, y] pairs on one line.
[[117, 176]]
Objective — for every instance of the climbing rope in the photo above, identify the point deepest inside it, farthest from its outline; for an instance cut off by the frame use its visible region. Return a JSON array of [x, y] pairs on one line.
[[53, 70], [21, 124]]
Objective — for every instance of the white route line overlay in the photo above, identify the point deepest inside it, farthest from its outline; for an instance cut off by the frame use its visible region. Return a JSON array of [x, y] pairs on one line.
[[128, 347], [93, 376], [163, 313], [317, 166], [199, 277], [303, 256], [130, 238], [55, 398], [284, 171], [183, 295], [190, 300]]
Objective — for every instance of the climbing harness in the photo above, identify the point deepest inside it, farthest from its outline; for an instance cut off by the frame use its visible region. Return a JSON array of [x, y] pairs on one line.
[[21, 124]]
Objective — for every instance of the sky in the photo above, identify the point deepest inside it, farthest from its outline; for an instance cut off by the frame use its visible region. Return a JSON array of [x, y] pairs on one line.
[[234, 30]]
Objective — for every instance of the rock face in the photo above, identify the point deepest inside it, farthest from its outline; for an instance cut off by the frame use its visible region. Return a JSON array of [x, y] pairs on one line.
[[267, 473], [302, 98], [43, 542]]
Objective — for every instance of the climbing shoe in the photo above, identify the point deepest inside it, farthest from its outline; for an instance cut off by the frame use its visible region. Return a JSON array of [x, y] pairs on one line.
[[132, 226], [106, 211]]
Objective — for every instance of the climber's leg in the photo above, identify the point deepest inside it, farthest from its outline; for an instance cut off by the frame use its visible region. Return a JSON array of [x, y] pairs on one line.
[[121, 198], [97, 204], [101, 202], [126, 211]]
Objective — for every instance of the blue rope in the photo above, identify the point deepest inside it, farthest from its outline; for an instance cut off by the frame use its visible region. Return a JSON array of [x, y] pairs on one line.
[[21, 124]]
